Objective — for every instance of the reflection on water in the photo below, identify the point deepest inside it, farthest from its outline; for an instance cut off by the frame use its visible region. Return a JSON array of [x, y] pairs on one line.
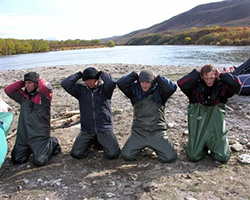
[[145, 55]]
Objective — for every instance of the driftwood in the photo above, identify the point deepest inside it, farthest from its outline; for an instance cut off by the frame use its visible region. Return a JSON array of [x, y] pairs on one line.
[[71, 118], [70, 113], [67, 119], [11, 135]]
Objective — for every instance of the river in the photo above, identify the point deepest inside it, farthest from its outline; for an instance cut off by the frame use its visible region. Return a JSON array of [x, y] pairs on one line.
[[219, 56]]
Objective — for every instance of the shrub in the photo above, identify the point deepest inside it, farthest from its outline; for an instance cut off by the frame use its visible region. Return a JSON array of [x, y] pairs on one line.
[[226, 42], [187, 40], [111, 43]]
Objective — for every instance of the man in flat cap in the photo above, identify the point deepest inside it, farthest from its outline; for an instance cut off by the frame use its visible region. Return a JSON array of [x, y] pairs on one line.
[[34, 94], [148, 94], [94, 96]]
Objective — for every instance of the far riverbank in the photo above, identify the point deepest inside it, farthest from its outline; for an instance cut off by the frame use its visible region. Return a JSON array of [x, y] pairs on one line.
[[177, 56]]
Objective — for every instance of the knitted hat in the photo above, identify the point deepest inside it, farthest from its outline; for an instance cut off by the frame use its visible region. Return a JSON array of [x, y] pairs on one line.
[[31, 76], [146, 76], [90, 73]]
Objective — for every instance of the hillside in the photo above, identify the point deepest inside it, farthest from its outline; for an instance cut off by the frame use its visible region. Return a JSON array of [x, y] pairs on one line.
[[220, 36], [229, 13]]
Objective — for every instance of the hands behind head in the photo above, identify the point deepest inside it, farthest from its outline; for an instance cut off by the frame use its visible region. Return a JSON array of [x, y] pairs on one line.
[[98, 74], [209, 68], [79, 74], [217, 73]]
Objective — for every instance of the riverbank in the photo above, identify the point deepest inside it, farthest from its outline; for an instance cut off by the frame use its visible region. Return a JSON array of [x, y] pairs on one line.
[[146, 178], [161, 55]]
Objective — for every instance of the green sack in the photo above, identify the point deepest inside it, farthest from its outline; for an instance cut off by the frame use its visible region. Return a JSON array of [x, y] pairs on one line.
[[207, 131]]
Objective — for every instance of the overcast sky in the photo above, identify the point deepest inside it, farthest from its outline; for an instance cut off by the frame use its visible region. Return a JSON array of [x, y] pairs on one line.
[[85, 19]]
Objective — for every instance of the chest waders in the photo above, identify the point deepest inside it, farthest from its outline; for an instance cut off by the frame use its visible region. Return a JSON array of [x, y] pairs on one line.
[[33, 135], [207, 131], [149, 130]]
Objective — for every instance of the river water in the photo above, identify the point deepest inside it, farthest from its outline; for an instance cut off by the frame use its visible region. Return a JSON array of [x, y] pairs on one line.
[[146, 55]]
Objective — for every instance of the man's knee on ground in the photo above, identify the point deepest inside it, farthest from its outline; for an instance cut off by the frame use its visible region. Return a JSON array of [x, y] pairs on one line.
[[18, 159], [77, 155], [112, 155], [40, 161], [168, 159], [127, 156], [223, 158], [194, 157]]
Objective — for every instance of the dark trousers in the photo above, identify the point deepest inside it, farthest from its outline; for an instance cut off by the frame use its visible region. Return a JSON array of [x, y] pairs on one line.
[[84, 141], [157, 141], [42, 150]]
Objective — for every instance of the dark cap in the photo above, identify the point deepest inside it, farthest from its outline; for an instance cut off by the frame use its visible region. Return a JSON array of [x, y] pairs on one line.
[[31, 76], [90, 73], [146, 76]]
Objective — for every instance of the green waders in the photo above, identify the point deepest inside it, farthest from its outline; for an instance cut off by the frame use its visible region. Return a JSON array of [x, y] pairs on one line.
[[149, 130], [207, 131]]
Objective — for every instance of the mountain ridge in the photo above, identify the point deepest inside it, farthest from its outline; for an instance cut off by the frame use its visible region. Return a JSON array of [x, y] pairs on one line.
[[229, 13]]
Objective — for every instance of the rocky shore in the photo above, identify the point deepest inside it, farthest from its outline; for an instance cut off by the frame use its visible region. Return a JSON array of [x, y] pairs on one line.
[[146, 178]]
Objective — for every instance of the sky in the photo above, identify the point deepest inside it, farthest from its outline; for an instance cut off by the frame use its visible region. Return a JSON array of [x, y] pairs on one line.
[[85, 19]]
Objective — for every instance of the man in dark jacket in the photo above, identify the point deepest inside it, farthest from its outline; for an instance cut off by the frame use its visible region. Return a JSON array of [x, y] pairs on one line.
[[95, 110], [208, 91], [148, 95], [33, 132]]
